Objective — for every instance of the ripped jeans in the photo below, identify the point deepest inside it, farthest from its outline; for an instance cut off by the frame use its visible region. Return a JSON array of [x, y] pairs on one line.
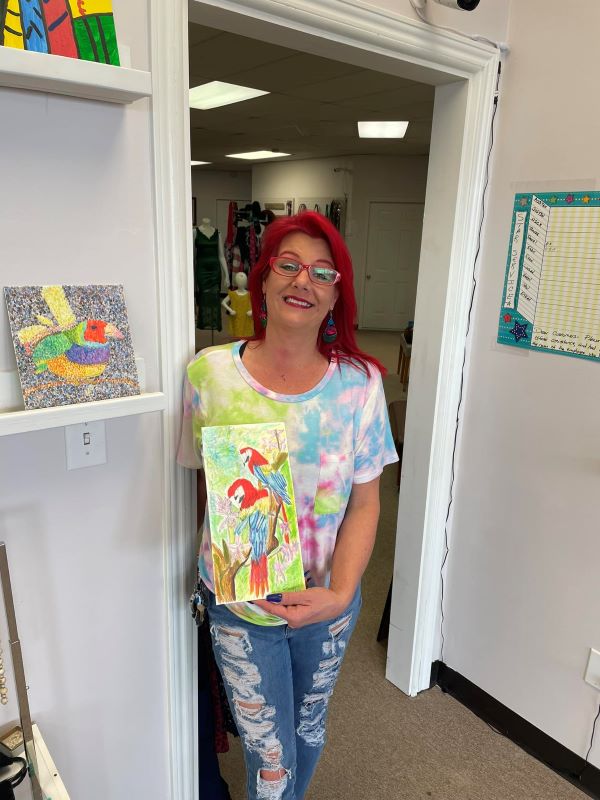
[[279, 680]]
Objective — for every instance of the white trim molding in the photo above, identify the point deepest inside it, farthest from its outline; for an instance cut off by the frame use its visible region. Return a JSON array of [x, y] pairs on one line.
[[173, 217], [464, 72]]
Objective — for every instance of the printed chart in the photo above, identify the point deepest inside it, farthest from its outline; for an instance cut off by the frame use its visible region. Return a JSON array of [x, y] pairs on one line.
[[551, 298]]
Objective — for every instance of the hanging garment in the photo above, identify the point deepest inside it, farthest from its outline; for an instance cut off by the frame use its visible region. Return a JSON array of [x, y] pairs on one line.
[[240, 325], [230, 239], [207, 281], [242, 240], [253, 246]]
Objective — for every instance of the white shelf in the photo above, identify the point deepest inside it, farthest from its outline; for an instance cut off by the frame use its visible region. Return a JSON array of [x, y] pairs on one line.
[[12, 422], [22, 69]]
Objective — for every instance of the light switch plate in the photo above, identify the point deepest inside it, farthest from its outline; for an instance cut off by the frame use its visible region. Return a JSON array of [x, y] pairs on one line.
[[592, 673], [85, 444]]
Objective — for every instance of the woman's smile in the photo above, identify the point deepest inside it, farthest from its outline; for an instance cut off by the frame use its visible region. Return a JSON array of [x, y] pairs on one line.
[[297, 302]]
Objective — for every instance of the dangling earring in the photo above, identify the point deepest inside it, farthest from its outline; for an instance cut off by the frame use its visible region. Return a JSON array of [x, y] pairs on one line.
[[329, 335], [263, 312]]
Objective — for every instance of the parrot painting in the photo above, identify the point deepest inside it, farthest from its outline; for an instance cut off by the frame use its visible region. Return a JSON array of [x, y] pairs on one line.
[[253, 505], [268, 474], [76, 351]]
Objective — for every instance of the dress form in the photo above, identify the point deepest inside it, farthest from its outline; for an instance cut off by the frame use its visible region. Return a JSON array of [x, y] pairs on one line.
[[207, 229], [238, 306], [210, 270]]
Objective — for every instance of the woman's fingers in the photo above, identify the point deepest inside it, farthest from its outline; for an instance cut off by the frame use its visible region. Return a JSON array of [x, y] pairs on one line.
[[291, 598]]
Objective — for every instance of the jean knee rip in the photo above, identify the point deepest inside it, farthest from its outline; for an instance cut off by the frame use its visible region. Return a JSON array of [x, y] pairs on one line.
[[271, 789], [253, 716], [313, 711]]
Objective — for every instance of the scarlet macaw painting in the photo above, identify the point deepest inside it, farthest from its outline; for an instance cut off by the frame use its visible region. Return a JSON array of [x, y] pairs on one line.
[[83, 29], [252, 512], [72, 343]]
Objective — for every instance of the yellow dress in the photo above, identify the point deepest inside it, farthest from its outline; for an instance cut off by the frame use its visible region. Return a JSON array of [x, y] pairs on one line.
[[241, 324]]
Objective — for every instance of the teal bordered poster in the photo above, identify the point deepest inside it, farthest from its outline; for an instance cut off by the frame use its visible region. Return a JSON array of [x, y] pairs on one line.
[[551, 298]]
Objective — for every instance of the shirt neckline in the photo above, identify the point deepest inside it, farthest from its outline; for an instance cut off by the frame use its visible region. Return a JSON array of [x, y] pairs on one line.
[[282, 398]]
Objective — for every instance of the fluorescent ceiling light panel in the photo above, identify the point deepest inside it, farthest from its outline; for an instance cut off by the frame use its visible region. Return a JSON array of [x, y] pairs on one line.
[[217, 93], [382, 130], [259, 154], [199, 163]]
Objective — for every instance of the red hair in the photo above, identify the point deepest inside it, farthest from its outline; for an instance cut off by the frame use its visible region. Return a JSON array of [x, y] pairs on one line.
[[344, 349]]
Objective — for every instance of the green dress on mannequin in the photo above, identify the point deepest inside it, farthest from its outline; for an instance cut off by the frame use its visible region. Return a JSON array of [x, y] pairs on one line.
[[207, 281]]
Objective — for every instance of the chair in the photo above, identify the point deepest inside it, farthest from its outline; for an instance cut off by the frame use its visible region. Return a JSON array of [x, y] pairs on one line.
[[404, 360], [397, 414]]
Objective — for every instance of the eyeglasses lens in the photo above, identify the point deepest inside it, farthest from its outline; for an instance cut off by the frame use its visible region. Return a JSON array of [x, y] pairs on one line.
[[318, 274]]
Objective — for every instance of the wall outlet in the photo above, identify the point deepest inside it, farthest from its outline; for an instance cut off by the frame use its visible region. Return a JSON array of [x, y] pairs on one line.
[[85, 444], [592, 673]]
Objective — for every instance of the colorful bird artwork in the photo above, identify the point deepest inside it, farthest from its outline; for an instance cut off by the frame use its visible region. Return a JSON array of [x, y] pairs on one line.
[[81, 353], [83, 29], [268, 474], [255, 541], [254, 511], [75, 351]]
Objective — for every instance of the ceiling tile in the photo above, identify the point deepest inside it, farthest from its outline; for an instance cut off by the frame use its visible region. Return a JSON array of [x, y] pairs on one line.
[[359, 84], [224, 55], [200, 33], [312, 109]]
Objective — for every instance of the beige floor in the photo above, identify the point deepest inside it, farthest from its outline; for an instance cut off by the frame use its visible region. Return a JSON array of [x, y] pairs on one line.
[[383, 745]]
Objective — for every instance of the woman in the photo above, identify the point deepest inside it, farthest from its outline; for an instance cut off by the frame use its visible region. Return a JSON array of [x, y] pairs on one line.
[[280, 657]]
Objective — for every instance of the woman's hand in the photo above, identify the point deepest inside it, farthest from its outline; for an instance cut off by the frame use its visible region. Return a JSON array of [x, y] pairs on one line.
[[304, 608]]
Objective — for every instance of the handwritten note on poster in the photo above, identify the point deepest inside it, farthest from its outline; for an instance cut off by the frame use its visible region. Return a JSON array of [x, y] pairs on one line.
[[551, 299]]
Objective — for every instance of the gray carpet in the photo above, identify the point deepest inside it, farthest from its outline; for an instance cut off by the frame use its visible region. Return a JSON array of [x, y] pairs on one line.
[[383, 745]]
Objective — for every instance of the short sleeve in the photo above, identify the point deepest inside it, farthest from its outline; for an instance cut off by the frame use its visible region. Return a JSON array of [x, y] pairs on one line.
[[188, 452], [374, 446]]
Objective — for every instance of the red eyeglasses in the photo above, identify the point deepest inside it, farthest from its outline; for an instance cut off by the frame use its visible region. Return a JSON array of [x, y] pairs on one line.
[[318, 273]]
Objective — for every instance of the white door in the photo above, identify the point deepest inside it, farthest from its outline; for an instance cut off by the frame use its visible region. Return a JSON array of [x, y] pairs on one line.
[[393, 250]]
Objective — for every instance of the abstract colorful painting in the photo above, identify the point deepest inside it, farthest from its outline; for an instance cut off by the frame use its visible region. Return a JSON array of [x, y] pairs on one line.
[[252, 512], [82, 29], [72, 344]]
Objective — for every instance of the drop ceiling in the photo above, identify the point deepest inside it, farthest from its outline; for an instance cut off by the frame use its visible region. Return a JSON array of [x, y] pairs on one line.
[[313, 107]]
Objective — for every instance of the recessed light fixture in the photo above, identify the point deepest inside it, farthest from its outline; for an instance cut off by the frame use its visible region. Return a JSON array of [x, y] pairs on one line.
[[382, 130], [199, 163], [217, 93], [256, 154]]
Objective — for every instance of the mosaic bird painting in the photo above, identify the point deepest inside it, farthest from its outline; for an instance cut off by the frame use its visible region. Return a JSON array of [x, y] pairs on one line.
[[78, 351]]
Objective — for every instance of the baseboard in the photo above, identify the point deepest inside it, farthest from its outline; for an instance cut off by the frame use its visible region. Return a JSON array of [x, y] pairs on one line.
[[563, 761]]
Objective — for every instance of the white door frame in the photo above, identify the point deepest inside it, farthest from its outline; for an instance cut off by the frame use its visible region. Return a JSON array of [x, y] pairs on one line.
[[464, 73]]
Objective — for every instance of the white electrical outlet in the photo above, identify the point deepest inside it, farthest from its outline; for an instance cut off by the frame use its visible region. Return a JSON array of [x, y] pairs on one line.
[[592, 673], [85, 444]]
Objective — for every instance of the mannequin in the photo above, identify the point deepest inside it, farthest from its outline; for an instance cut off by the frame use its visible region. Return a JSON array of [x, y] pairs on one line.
[[210, 269], [238, 307], [208, 230]]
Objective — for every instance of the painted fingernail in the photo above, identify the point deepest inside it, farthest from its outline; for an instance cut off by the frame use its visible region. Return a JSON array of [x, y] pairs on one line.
[[274, 598]]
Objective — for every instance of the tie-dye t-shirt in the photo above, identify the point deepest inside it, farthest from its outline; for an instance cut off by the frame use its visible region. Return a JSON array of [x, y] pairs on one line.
[[338, 434]]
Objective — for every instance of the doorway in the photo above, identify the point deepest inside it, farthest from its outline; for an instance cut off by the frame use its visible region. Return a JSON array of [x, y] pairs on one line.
[[392, 266], [464, 75]]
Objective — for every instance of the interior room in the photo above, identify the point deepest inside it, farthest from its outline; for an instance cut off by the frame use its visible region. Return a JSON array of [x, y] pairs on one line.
[[310, 111], [482, 678]]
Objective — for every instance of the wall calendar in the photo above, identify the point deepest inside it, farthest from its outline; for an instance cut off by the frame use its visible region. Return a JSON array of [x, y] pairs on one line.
[[551, 299]]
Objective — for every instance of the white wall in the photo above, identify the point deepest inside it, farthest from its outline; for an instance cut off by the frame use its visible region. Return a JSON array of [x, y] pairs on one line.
[[311, 177], [523, 592], [85, 547], [489, 19], [208, 186]]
